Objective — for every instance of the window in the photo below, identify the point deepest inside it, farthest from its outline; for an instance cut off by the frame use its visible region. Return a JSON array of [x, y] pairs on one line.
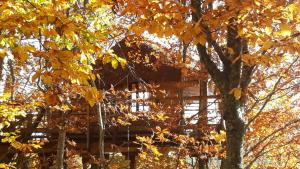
[[139, 99], [191, 111], [213, 113], [39, 136]]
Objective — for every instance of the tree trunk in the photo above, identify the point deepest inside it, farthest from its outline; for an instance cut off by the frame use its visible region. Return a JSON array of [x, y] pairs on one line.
[[94, 166], [235, 131], [202, 164], [101, 134], [203, 119], [12, 78], [1, 68], [132, 161], [61, 145]]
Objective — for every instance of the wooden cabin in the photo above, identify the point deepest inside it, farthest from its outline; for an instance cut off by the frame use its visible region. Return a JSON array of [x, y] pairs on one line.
[[146, 79]]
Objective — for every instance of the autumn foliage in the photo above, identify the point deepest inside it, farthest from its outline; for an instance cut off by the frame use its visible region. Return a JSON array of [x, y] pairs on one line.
[[150, 84]]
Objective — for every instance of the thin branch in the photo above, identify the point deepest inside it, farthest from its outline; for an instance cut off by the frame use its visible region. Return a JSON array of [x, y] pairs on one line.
[[262, 152], [247, 72], [266, 102], [211, 67], [215, 45], [271, 94], [271, 134]]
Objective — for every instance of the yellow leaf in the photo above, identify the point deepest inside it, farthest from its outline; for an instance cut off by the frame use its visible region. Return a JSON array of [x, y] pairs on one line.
[[201, 39], [92, 95], [248, 59], [161, 116], [2, 53], [65, 107], [35, 76], [36, 146], [47, 79], [143, 155], [114, 63], [237, 92], [4, 166], [257, 3], [269, 30], [123, 63], [285, 30], [267, 45], [122, 122], [220, 137], [155, 151], [137, 30], [106, 59]]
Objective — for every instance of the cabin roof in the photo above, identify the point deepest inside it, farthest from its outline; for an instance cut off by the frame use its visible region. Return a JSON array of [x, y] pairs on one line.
[[142, 65]]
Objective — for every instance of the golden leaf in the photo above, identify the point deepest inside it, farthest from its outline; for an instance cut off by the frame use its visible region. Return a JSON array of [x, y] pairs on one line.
[[4, 166], [114, 63], [51, 99], [201, 39], [47, 79], [2, 53], [248, 59], [35, 76], [237, 92], [285, 30], [269, 30]]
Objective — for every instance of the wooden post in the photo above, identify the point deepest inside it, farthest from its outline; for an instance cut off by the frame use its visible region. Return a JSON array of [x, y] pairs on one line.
[[85, 163], [88, 131], [46, 160], [132, 158], [94, 166]]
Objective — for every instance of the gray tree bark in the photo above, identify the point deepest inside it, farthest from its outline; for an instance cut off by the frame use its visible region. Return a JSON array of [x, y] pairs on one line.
[[101, 133], [235, 131], [203, 119], [1, 68], [61, 145]]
